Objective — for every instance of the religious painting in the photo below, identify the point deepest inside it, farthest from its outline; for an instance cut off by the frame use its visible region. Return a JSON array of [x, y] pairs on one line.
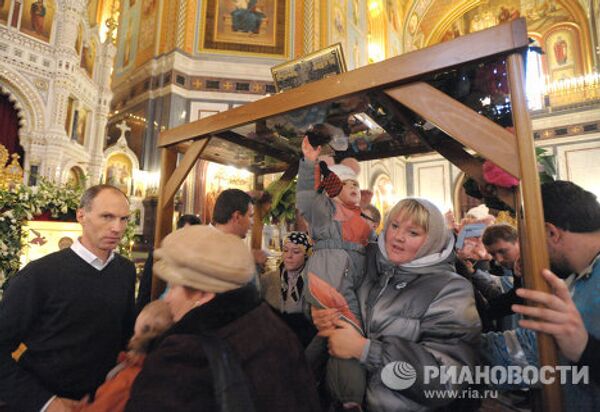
[[147, 27], [490, 14], [75, 177], [129, 33], [4, 10], [394, 14], [119, 172], [44, 237], [455, 30], [314, 66], [252, 26], [415, 39], [37, 18], [88, 57], [356, 12], [220, 177], [337, 24], [562, 56], [69, 117], [79, 39], [384, 196], [79, 126], [541, 14], [92, 12], [251, 22], [127, 50]]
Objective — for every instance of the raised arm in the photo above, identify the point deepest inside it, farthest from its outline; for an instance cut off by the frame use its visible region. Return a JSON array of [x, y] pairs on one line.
[[308, 201]]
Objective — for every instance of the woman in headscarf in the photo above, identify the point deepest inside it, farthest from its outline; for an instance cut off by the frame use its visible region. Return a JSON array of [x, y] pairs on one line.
[[417, 311], [283, 288]]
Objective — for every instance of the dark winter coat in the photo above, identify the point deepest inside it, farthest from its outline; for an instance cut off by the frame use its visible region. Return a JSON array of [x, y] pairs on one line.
[[177, 376]]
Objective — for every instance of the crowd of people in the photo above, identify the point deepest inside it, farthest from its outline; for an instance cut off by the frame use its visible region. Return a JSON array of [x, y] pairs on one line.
[[349, 320]]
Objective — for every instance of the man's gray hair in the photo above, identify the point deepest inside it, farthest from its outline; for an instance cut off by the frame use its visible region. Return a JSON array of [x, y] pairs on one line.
[[90, 194]]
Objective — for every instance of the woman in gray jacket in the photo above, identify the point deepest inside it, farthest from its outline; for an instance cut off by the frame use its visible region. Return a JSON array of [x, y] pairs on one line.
[[418, 313]]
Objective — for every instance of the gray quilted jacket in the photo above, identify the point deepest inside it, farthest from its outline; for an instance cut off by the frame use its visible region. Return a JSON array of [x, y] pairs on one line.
[[341, 268], [421, 313]]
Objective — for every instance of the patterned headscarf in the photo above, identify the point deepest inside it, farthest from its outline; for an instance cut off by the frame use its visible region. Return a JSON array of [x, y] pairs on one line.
[[292, 284], [301, 239]]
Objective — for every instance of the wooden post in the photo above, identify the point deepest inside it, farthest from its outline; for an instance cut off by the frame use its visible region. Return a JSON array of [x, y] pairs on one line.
[[259, 214], [533, 223], [164, 213]]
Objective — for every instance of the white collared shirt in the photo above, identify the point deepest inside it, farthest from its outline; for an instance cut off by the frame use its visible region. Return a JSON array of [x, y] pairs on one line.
[[89, 257]]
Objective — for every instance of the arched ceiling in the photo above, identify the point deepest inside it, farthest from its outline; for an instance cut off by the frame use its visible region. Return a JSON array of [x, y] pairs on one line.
[[426, 21]]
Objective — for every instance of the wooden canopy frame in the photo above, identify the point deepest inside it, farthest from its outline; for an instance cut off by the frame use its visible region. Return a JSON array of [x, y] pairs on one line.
[[400, 82]]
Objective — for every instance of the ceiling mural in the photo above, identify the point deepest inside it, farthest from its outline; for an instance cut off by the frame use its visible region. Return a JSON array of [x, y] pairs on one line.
[[431, 21]]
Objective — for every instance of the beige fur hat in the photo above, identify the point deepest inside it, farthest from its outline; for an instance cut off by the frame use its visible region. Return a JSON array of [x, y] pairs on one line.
[[204, 258]]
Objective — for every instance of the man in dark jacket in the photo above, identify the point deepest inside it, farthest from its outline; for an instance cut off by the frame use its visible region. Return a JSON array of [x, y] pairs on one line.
[[73, 310], [227, 350]]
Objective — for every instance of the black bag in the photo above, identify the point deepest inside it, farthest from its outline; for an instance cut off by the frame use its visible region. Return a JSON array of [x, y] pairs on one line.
[[230, 383]]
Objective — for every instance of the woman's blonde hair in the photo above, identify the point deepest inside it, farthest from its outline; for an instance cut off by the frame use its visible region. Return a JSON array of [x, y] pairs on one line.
[[156, 318], [409, 209]]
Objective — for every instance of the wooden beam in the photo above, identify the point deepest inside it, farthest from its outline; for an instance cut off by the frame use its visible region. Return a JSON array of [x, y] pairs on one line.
[[260, 210], [483, 44], [533, 222], [461, 122], [164, 211], [180, 173]]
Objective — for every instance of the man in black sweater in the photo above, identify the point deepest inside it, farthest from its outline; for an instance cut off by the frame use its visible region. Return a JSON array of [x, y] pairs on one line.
[[73, 310]]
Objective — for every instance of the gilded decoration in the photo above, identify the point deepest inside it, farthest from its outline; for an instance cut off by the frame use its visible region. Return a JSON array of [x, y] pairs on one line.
[[11, 174]]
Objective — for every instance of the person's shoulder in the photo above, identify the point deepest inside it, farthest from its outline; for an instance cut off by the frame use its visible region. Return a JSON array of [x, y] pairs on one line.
[[448, 282], [51, 261], [123, 261], [39, 269], [452, 278]]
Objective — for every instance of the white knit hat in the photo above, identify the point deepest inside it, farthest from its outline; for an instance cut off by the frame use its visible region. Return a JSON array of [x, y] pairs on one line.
[[343, 172], [204, 258]]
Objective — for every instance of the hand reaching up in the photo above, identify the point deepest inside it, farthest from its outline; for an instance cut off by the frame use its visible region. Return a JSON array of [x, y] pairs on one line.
[[310, 153]]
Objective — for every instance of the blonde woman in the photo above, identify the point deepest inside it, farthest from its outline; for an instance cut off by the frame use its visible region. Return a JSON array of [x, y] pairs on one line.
[[417, 311]]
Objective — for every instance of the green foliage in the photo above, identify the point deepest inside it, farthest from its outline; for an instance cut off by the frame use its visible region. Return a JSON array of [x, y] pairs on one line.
[[22, 203], [283, 205]]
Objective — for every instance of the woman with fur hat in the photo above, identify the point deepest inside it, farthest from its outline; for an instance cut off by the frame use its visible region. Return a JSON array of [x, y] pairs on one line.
[[283, 288], [418, 312], [227, 350], [336, 268]]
